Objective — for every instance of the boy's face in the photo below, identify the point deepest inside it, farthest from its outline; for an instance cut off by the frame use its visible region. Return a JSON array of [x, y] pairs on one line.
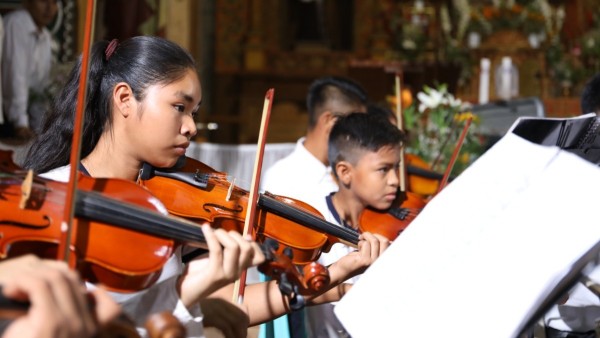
[[374, 178]]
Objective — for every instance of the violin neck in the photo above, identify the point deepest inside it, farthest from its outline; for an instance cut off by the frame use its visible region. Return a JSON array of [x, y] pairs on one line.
[[307, 219], [94, 206]]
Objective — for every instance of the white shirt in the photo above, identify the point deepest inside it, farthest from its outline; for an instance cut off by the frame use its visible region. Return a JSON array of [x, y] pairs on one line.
[[301, 176], [581, 311], [321, 320], [26, 64], [161, 296]]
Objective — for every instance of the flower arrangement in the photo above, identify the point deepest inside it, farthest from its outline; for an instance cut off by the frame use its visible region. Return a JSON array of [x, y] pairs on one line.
[[529, 16], [408, 29], [434, 123]]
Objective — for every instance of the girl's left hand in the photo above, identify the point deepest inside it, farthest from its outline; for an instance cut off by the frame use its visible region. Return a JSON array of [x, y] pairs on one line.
[[229, 255]]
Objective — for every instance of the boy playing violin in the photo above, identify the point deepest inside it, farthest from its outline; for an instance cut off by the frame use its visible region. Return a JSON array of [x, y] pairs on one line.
[[364, 153]]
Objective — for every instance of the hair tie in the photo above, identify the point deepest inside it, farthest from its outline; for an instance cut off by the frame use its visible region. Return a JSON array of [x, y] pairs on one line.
[[110, 49]]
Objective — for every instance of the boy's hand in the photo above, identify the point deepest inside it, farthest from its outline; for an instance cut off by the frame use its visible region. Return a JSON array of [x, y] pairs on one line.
[[370, 247]]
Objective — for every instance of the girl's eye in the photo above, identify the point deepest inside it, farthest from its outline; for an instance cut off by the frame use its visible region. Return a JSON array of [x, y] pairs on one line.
[[180, 108], [194, 114]]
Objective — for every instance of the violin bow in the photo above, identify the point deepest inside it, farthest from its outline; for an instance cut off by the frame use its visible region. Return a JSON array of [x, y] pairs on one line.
[[400, 124], [240, 284], [461, 140], [67, 226]]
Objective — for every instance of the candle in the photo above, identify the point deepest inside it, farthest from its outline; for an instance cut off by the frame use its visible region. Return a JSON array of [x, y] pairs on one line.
[[484, 81]]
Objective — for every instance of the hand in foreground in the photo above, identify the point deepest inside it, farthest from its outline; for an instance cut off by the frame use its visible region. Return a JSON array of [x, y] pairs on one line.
[[224, 316], [229, 254], [59, 304]]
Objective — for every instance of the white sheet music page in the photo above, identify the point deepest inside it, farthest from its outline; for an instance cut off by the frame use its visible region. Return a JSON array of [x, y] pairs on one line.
[[484, 250]]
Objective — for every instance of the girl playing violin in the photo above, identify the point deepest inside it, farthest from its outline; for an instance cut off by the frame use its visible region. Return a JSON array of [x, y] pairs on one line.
[[141, 105], [363, 152]]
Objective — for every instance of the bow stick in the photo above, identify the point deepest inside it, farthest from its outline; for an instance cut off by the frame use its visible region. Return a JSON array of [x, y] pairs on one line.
[[400, 125], [240, 284], [67, 225], [461, 140]]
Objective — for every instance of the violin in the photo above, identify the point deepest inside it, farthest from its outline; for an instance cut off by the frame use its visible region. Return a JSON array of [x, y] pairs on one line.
[[421, 179], [117, 213], [421, 183], [197, 192], [391, 222]]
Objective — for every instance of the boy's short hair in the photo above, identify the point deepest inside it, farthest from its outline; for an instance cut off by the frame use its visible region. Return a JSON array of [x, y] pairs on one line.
[[326, 89], [381, 111], [590, 98], [358, 132]]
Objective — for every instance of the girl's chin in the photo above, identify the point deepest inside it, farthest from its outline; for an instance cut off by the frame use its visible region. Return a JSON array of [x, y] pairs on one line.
[[165, 163]]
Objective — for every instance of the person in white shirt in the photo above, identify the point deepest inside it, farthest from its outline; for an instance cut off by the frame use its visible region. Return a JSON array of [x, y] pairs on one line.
[[143, 95], [304, 174], [364, 154], [26, 64]]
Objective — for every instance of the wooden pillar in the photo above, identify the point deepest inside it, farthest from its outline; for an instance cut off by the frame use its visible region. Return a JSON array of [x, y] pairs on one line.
[[254, 56], [179, 22]]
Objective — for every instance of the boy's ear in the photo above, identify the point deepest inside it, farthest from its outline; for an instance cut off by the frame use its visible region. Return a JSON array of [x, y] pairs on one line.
[[328, 118], [123, 98], [343, 169]]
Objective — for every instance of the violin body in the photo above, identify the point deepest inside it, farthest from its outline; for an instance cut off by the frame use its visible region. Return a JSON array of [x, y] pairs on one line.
[[124, 260], [225, 205], [418, 184], [391, 222], [208, 196]]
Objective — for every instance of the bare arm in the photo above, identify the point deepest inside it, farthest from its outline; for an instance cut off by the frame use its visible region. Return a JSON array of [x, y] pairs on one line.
[[264, 301]]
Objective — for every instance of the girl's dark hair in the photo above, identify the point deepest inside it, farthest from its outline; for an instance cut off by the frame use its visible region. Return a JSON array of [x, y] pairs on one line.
[[358, 132], [141, 62]]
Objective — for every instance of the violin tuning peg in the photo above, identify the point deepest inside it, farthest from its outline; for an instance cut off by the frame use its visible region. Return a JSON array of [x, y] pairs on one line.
[[288, 252], [271, 244]]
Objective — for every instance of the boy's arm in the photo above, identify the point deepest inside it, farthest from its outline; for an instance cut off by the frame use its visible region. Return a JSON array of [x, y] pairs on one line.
[[264, 301]]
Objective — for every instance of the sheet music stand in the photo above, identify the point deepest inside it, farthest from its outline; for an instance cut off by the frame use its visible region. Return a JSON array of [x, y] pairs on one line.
[[574, 135], [579, 269]]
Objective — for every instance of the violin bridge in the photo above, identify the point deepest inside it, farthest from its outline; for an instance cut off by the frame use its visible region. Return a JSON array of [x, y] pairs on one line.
[[230, 190], [26, 189]]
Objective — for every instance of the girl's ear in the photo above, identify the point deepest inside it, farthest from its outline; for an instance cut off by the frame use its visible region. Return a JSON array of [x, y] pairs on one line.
[[123, 98], [343, 170]]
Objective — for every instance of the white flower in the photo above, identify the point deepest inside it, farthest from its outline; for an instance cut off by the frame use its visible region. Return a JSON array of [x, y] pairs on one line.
[[430, 101], [452, 101], [409, 44], [590, 42]]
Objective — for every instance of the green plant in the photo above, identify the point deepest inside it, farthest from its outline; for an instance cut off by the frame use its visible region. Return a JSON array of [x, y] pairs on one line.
[[434, 123]]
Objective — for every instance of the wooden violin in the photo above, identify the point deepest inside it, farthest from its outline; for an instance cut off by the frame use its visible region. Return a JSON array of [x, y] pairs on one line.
[[111, 215], [197, 192]]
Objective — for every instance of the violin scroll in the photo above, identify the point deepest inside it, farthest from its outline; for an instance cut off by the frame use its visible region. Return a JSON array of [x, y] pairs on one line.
[[314, 277]]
